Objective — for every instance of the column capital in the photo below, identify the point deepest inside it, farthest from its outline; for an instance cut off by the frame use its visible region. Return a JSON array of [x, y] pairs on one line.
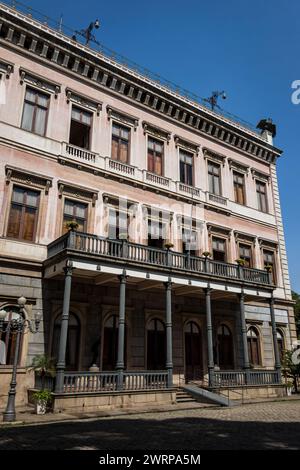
[[68, 269], [123, 277], [168, 285]]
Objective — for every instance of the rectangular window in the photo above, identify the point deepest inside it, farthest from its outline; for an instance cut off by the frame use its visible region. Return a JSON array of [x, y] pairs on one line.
[[80, 130], [219, 249], [245, 253], [186, 167], [214, 178], [156, 233], [261, 191], [23, 214], [120, 143], [239, 188], [118, 224], [189, 241], [75, 211], [269, 261], [155, 156], [35, 111]]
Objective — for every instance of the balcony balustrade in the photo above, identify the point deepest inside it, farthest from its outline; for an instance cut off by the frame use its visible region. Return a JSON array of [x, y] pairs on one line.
[[216, 199], [134, 253]]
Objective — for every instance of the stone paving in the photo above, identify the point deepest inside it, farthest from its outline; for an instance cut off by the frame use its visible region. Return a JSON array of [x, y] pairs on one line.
[[270, 425]]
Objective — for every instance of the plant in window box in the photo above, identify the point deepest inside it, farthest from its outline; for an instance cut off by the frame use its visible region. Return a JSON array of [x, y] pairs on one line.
[[240, 261], [269, 268], [42, 400], [72, 225], [206, 254], [123, 236]]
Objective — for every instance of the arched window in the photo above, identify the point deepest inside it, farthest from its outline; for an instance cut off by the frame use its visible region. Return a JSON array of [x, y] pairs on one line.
[[253, 346], [156, 345], [8, 339], [225, 348], [280, 342], [110, 343], [73, 341], [193, 351]]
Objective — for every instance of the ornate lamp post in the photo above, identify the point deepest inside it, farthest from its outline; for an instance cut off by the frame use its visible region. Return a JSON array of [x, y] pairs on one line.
[[17, 325]]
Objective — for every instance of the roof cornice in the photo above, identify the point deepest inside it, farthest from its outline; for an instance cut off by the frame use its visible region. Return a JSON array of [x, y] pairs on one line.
[[54, 49]]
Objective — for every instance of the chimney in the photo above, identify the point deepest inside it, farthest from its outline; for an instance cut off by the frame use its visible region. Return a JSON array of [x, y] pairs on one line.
[[268, 130]]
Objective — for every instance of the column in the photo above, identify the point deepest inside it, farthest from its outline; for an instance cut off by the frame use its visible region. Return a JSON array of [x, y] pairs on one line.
[[169, 361], [61, 364], [246, 363], [274, 332], [210, 349], [121, 329]]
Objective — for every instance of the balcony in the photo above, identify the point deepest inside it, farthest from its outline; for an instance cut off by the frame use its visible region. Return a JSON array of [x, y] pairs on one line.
[[119, 167], [188, 190], [78, 153], [133, 254], [216, 199], [157, 180]]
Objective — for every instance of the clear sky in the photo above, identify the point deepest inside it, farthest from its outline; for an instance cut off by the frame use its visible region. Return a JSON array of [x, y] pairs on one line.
[[250, 48]]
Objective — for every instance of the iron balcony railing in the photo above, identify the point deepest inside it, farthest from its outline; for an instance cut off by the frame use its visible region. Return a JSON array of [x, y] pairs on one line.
[[244, 378], [146, 255]]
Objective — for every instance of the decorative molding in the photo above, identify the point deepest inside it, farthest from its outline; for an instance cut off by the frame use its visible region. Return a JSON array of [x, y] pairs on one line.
[[213, 156], [213, 229], [155, 131], [238, 166], [187, 145], [72, 190], [39, 82], [84, 101], [120, 116], [268, 244], [7, 68], [244, 237], [29, 178], [256, 174]]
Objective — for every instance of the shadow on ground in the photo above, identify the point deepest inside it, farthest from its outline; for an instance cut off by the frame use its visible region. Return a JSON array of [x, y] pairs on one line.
[[143, 434]]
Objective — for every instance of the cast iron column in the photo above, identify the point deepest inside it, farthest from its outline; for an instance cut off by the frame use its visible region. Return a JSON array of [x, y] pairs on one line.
[[61, 363], [169, 361], [121, 329], [210, 349], [246, 364], [274, 332]]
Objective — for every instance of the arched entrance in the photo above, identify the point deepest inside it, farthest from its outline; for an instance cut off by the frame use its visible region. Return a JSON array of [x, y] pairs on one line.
[[156, 345], [193, 352], [73, 341], [225, 348]]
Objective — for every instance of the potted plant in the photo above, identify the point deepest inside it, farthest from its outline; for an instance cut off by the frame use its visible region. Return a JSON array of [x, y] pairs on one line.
[[44, 367], [268, 268], [206, 254], [240, 261], [168, 245], [72, 225], [289, 388], [42, 400]]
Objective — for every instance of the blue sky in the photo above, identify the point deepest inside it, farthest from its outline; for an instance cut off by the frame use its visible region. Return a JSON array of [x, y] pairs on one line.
[[250, 48]]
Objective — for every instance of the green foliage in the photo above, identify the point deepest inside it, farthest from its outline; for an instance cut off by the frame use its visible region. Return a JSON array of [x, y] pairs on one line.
[[42, 396], [296, 298], [43, 364]]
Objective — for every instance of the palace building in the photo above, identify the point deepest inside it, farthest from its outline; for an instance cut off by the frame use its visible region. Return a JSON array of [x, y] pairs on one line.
[[144, 226]]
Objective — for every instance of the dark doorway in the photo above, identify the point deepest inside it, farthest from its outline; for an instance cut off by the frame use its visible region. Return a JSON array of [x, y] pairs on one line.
[[193, 352], [156, 345]]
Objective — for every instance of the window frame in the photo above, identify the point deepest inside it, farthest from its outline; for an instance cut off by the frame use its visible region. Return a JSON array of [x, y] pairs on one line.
[[162, 143], [273, 264], [186, 153], [36, 105], [236, 174], [262, 196], [24, 205], [75, 201], [214, 165], [245, 245], [254, 340], [90, 135], [120, 139], [225, 248]]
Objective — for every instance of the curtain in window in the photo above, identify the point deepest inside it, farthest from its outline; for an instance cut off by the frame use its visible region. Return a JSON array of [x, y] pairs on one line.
[[27, 119], [40, 121]]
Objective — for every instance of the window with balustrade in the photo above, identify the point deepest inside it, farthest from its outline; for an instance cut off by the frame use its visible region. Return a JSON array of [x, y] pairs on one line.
[[118, 224], [269, 263], [186, 167], [23, 215], [75, 211], [219, 249], [35, 111], [155, 156], [80, 128], [245, 253], [214, 178], [120, 143]]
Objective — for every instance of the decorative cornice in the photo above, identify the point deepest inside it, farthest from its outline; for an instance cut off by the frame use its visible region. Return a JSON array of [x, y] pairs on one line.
[[238, 166], [214, 229], [29, 178], [187, 145], [242, 236], [69, 189], [216, 157], [265, 243], [84, 101], [56, 50], [256, 174], [156, 131], [7, 68], [124, 118], [39, 82]]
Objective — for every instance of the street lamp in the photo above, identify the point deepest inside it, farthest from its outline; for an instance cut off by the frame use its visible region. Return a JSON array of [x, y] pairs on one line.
[[87, 33], [213, 99], [17, 325]]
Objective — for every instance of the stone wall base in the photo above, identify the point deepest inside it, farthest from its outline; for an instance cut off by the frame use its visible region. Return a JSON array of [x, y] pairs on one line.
[[25, 380], [251, 393], [89, 402]]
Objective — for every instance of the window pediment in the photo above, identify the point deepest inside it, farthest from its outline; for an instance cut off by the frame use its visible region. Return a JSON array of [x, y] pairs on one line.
[[75, 191], [28, 178], [156, 131], [213, 156], [39, 82], [123, 118], [6, 68], [218, 230], [238, 166], [256, 174], [84, 101], [187, 145]]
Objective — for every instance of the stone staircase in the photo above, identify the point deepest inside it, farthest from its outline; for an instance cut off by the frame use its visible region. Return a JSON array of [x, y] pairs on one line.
[[183, 397]]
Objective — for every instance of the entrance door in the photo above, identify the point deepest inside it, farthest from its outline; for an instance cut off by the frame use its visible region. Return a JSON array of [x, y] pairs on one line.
[[193, 352]]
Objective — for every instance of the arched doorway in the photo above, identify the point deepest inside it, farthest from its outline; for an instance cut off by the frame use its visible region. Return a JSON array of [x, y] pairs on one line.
[[110, 343], [253, 342], [73, 341], [193, 352], [156, 345], [225, 348], [8, 339], [280, 342]]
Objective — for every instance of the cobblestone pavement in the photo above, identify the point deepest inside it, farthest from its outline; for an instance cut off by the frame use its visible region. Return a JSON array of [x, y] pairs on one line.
[[256, 426]]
